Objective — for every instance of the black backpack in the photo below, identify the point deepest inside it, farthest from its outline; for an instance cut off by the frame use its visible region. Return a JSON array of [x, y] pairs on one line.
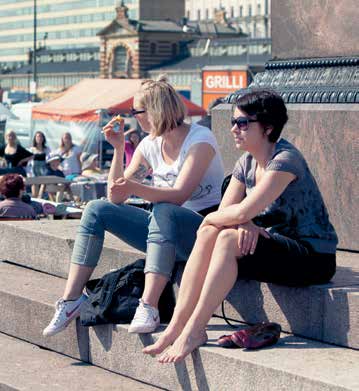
[[114, 297]]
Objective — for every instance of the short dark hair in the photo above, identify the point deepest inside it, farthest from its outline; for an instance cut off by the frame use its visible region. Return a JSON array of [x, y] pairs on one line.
[[267, 106], [11, 185]]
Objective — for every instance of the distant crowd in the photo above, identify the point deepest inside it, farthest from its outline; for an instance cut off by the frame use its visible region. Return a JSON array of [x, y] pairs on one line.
[[68, 160]]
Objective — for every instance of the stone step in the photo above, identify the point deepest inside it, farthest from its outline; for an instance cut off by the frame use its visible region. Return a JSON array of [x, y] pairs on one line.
[[326, 313], [27, 300], [26, 305], [24, 366], [46, 245]]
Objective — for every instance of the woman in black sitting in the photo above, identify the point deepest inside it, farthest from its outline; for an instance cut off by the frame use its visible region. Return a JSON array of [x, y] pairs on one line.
[[272, 226], [15, 155]]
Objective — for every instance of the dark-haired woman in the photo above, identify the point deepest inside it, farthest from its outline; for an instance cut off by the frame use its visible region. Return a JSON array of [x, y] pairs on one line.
[[272, 225], [40, 151], [11, 187]]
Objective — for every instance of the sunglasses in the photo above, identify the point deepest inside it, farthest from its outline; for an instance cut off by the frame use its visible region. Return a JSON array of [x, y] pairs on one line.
[[242, 122], [135, 112]]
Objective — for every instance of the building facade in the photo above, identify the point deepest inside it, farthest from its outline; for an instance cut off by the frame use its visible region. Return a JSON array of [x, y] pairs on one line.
[[130, 48], [121, 39], [221, 59], [252, 17], [67, 24], [61, 24]]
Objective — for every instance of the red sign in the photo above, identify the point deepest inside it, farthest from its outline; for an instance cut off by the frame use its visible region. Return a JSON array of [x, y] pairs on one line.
[[217, 84]]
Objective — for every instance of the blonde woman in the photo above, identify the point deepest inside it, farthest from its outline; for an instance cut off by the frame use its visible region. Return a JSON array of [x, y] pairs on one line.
[[71, 164], [188, 173]]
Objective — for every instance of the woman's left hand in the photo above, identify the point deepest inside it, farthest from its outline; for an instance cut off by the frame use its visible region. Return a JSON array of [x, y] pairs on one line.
[[120, 190]]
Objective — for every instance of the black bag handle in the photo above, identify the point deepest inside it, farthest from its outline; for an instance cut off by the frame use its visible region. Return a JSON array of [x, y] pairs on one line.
[[224, 317]]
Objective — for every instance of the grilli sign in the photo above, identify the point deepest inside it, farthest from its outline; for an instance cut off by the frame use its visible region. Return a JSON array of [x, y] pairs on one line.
[[220, 83]]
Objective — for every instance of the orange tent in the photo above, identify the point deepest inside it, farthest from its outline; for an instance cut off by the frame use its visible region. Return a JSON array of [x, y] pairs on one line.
[[84, 100]]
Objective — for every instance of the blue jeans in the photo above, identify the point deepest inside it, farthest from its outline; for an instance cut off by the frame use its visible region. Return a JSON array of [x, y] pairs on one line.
[[167, 234]]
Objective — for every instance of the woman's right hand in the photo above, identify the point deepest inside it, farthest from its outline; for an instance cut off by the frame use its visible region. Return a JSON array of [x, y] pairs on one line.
[[248, 234], [116, 139]]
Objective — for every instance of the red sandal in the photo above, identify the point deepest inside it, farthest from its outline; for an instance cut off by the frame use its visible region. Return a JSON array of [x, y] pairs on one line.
[[225, 341], [254, 337]]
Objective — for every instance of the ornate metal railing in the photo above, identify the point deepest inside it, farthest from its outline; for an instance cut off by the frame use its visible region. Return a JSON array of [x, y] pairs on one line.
[[316, 80]]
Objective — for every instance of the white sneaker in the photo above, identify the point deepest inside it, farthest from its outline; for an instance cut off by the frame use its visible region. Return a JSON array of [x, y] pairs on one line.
[[146, 319], [66, 311]]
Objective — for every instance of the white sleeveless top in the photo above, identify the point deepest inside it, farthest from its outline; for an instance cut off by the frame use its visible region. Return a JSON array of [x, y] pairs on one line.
[[208, 192], [71, 164]]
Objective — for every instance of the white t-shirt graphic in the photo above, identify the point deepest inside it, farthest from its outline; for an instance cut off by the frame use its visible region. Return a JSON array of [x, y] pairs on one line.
[[208, 192]]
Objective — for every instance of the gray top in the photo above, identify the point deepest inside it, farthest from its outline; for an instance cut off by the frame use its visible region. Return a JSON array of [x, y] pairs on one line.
[[15, 208], [299, 212]]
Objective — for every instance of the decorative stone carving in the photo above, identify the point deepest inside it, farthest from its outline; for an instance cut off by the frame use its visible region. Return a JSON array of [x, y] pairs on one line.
[[329, 80]]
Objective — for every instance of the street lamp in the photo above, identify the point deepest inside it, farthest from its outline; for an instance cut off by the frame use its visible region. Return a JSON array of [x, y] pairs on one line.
[[34, 65]]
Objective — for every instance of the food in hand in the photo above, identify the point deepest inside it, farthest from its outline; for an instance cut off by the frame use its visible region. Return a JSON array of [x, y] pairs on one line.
[[116, 123]]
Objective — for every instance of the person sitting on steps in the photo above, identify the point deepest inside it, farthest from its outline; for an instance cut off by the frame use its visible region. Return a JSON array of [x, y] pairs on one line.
[[53, 166], [12, 187], [131, 144], [272, 226], [187, 173]]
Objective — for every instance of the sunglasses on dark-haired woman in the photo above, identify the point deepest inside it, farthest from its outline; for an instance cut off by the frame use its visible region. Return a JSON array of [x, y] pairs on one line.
[[242, 122]]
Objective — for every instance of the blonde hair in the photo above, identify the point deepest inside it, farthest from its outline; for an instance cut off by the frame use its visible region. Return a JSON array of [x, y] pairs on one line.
[[163, 104], [62, 144], [11, 131]]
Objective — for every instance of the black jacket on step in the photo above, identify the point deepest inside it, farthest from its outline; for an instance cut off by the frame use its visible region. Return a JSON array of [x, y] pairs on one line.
[[114, 297]]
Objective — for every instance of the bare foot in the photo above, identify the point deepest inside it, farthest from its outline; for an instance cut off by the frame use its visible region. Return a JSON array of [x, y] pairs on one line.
[[184, 345], [166, 339]]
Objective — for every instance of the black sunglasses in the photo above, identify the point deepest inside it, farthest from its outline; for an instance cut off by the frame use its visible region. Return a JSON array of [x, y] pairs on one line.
[[134, 111], [242, 122]]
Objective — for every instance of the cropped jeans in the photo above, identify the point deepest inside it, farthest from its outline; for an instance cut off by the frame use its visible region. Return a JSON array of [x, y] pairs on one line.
[[167, 234]]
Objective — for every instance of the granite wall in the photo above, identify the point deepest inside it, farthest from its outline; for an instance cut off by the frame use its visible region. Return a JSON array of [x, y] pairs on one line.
[[320, 28], [327, 135]]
